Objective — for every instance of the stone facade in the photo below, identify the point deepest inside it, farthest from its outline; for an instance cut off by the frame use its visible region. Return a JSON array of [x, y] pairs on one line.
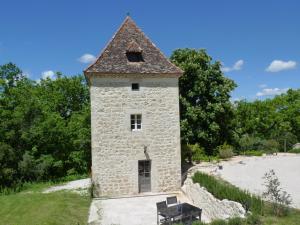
[[116, 149]]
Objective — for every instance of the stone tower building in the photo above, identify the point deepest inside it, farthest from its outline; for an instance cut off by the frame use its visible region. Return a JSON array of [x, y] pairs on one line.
[[134, 116]]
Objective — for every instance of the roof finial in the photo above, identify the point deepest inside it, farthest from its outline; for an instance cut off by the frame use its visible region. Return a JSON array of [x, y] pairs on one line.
[[128, 13]]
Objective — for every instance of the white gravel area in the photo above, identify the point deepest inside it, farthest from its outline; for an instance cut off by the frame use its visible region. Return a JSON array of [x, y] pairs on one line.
[[248, 172], [140, 210], [72, 185]]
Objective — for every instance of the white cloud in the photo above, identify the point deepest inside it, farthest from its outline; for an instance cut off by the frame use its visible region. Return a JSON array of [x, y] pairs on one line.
[[87, 58], [271, 91], [26, 74], [279, 65], [237, 66], [48, 74], [262, 85]]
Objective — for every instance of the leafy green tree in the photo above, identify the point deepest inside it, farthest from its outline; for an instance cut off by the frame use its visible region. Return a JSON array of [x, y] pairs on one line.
[[10, 74], [44, 127], [205, 108], [262, 121]]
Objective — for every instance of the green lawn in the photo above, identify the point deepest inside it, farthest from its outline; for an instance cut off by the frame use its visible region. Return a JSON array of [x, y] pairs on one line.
[[292, 219], [31, 207]]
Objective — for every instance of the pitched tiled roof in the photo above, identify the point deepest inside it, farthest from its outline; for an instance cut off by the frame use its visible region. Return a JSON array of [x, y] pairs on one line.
[[129, 38]]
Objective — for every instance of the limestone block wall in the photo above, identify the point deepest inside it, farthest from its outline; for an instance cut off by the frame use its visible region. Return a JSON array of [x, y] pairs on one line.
[[116, 149]]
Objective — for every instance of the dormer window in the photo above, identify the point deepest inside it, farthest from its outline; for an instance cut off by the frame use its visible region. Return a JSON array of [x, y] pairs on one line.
[[134, 56], [134, 52]]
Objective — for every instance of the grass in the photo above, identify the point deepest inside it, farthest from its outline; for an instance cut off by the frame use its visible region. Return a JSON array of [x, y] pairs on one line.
[[261, 210], [30, 206]]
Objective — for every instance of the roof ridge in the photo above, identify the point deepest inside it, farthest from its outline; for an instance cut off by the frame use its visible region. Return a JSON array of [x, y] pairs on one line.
[[148, 39], [108, 43]]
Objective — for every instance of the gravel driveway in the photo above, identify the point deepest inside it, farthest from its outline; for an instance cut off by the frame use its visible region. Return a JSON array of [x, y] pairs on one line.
[[247, 173]]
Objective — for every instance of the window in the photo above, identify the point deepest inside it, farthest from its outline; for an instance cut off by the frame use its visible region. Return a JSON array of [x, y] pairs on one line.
[[134, 56], [136, 122], [135, 86]]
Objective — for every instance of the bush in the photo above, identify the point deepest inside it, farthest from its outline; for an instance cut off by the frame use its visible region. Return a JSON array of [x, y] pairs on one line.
[[207, 158], [197, 152], [223, 190], [296, 150], [253, 153], [225, 151], [270, 146], [280, 200], [192, 153], [249, 142]]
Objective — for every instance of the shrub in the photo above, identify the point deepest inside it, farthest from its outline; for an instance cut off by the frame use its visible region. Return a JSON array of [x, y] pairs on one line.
[[249, 142], [253, 153], [197, 152], [225, 151], [270, 146], [192, 152], [296, 150], [280, 200], [223, 190]]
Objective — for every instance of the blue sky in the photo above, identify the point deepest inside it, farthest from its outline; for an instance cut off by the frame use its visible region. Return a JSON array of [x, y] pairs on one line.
[[257, 41]]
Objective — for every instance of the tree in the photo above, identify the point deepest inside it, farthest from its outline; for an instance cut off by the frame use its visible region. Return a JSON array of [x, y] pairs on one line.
[[280, 199], [44, 127], [263, 120], [10, 74], [205, 109]]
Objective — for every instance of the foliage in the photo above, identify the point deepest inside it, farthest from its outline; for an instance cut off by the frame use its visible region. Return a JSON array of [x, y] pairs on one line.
[[275, 119], [295, 150], [223, 190], [279, 199], [205, 108], [225, 151], [249, 142], [44, 129], [270, 146], [253, 153], [192, 152]]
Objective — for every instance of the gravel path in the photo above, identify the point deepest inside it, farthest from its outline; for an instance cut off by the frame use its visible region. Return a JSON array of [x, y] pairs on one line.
[[73, 185], [248, 172]]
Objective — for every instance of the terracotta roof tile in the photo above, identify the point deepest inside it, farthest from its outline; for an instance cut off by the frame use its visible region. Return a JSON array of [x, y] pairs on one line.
[[129, 38]]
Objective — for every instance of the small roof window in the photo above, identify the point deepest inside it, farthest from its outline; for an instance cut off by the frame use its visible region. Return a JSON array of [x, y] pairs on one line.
[[134, 52], [134, 57]]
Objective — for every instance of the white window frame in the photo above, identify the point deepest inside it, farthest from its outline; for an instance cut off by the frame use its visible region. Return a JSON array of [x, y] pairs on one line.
[[136, 122]]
